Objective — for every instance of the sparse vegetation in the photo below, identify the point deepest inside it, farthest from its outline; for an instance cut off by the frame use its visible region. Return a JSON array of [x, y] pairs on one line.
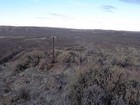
[[85, 72], [28, 60], [114, 82], [23, 93]]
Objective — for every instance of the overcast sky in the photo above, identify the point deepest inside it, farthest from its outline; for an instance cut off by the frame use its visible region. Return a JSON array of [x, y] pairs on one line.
[[85, 14]]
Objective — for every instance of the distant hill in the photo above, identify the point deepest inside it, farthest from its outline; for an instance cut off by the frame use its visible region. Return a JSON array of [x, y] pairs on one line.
[[19, 38]]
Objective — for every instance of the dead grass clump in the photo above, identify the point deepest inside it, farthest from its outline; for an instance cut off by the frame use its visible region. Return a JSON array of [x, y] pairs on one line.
[[23, 93], [30, 59], [44, 64], [95, 95], [126, 58], [68, 57], [124, 61], [6, 100]]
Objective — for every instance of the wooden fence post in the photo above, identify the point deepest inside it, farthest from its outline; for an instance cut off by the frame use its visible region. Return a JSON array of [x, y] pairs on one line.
[[53, 60]]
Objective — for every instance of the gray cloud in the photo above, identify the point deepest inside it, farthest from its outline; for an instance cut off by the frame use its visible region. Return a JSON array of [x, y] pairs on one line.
[[131, 1], [51, 15], [61, 16], [108, 8]]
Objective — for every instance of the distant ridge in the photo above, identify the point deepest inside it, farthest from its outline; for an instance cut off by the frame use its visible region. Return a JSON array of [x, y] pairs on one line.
[[38, 27]]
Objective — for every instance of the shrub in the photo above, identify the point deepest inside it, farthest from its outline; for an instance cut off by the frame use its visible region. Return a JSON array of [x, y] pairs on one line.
[[23, 93], [68, 57], [94, 95], [44, 64], [30, 59], [113, 81]]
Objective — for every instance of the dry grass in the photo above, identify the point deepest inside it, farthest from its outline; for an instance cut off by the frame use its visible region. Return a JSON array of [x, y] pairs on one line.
[[109, 76], [89, 77], [28, 60]]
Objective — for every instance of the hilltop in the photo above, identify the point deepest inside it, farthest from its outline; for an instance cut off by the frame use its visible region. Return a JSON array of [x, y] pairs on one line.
[[92, 67]]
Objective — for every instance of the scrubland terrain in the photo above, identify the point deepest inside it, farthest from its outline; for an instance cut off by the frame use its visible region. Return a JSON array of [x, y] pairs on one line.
[[92, 67]]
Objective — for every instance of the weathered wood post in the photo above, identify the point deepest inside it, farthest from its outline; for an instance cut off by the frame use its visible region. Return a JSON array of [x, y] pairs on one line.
[[53, 45]]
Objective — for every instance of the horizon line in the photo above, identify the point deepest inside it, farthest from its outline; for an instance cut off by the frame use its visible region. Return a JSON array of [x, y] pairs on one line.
[[68, 28]]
